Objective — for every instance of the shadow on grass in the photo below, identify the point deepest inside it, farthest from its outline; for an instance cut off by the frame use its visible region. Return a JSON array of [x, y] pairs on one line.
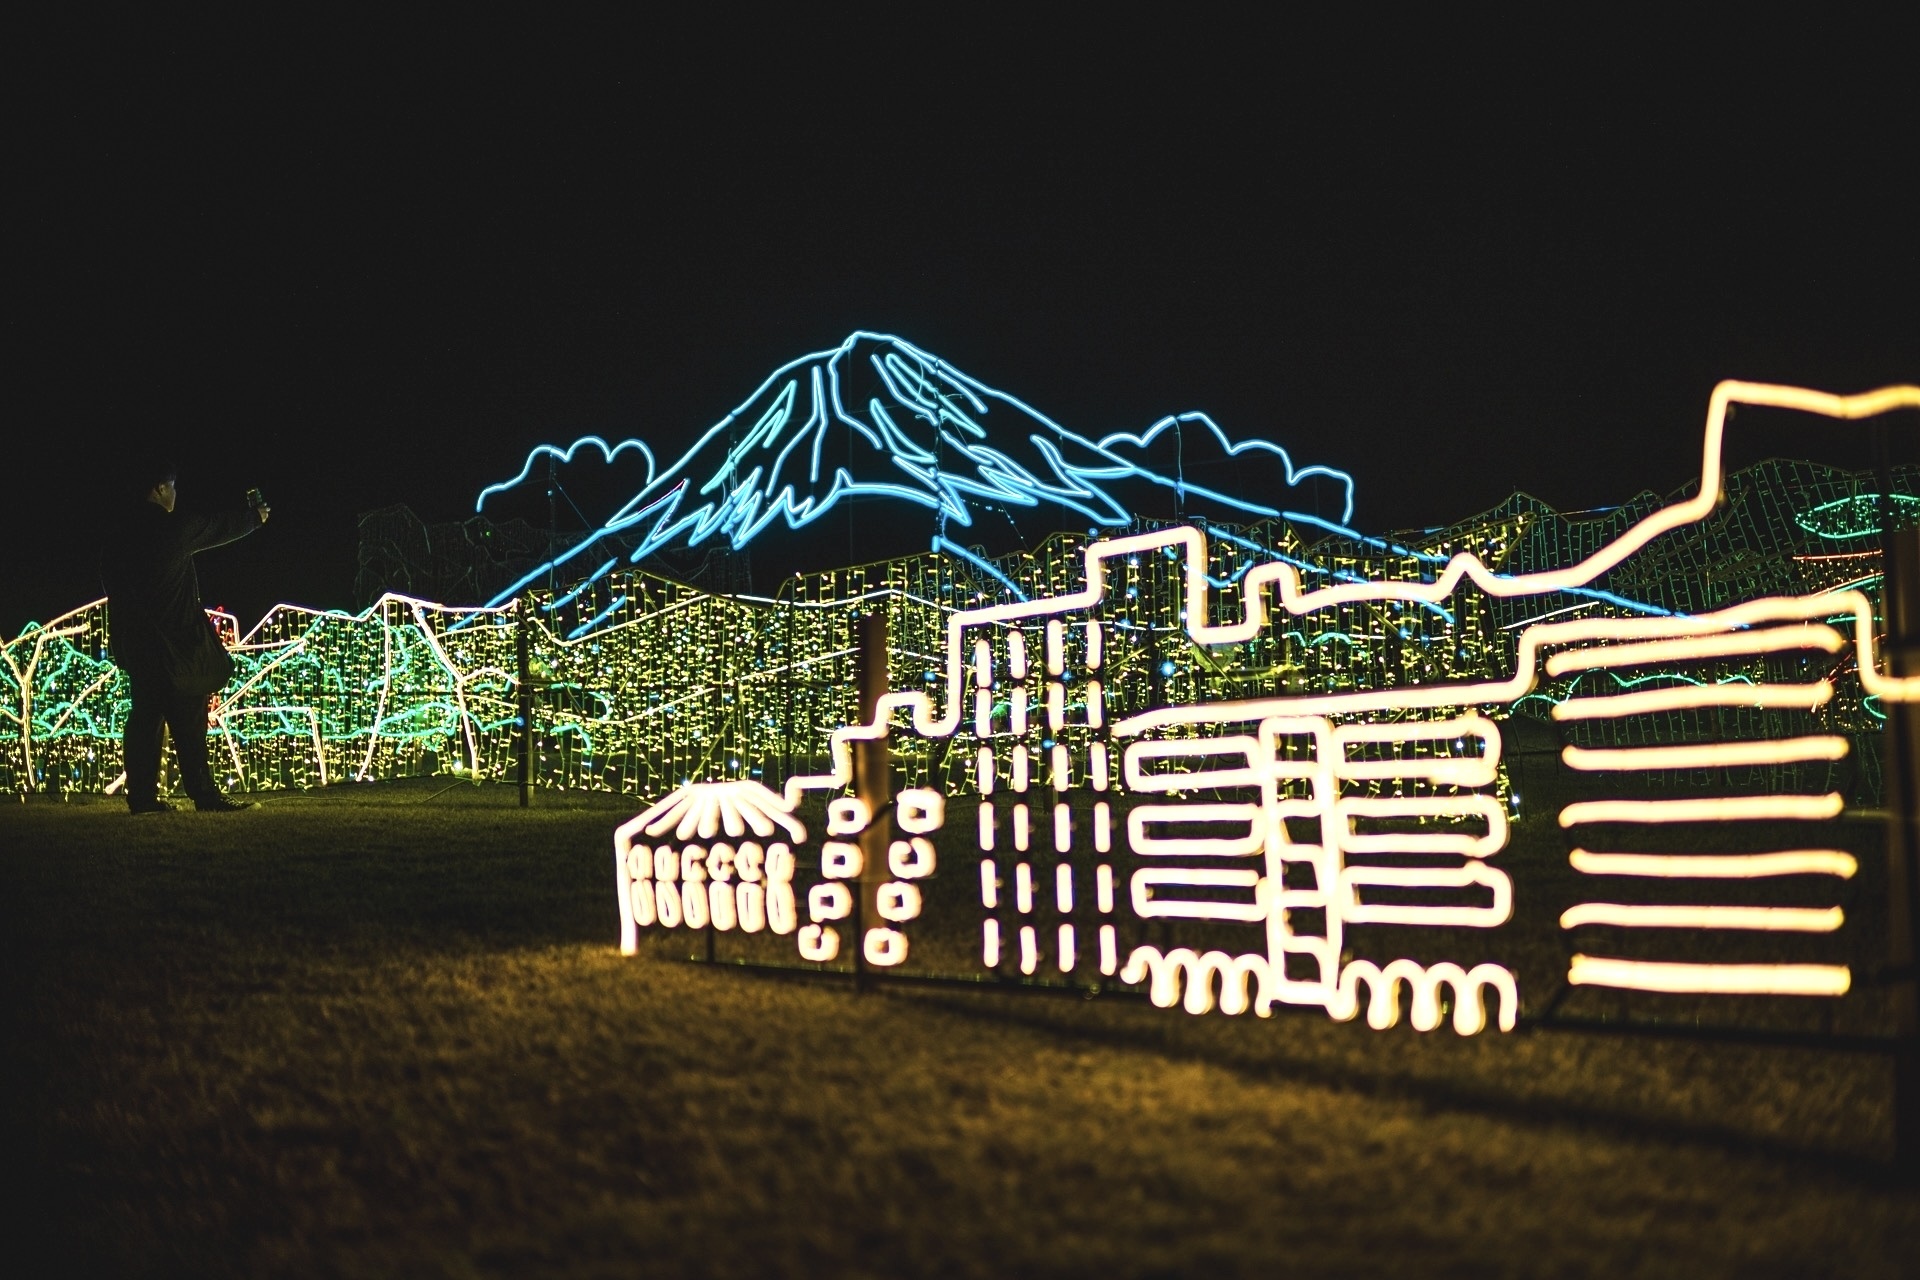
[[127, 906], [1361, 1067], [350, 867]]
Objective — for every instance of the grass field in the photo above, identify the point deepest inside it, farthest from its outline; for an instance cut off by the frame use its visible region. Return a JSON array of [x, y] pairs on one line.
[[376, 1031]]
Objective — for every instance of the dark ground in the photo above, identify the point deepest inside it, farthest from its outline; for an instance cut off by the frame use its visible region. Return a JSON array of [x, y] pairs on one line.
[[371, 1032]]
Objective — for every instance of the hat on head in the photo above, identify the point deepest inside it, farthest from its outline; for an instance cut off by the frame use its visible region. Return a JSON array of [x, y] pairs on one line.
[[146, 470]]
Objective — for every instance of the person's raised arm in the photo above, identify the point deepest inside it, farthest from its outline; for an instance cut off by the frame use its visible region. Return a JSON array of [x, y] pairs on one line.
[[221, 527]]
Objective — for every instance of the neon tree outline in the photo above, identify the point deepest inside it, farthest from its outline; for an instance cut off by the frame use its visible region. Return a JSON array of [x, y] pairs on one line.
[[738, 509], [1671, 638]]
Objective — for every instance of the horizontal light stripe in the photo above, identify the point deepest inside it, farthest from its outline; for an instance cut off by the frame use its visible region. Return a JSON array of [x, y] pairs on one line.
[[1197, 756], [1251, 838], [1717, 809], [1448, 769], [1693, 648], [1148, 907], [1472, 875], [1707, 755], [1734, 866], [1711, 979], [1799, 697], [1763, 919], [1349, 809]]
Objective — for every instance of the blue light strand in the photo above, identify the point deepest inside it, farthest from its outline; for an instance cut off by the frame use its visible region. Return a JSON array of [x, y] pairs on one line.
[[932, 391], [607, 452], [596, 619], [574, 594]]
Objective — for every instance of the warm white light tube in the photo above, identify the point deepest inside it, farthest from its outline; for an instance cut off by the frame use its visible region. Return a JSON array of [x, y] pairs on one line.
[[1715, 809], [1692, 648], [1763, 919], [1711, 979], [1730, 866], [1707, 755], [1797, 697]]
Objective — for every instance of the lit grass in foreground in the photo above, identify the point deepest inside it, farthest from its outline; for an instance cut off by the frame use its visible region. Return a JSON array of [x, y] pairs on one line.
[[375, 1032]]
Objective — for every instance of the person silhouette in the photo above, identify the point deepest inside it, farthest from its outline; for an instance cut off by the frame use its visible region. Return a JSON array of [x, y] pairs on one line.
[[160, 635]]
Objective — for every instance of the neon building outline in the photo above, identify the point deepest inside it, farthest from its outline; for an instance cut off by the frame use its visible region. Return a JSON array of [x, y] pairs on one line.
[[408, 687], [1258, 980]]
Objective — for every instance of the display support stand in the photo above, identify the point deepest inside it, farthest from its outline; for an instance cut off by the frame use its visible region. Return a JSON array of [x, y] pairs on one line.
[[1900, 761]]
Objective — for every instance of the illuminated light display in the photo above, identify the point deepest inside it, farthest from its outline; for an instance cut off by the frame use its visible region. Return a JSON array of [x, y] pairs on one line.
[[1226, 733], [1711, 756], [734, 806], [1469, 988], [1711, 979], [927, 435], [1689, 697], [1220, 799], [1733, 808], [776, 675], [1855, 517], [1747, 866], [1640, 916], [1692, 648]]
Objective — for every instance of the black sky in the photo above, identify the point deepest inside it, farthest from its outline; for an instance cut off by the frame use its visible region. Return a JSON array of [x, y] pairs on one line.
[[1452, 263]]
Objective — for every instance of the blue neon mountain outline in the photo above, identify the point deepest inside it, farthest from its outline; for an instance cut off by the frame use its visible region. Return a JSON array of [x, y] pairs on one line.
[[745, 472]]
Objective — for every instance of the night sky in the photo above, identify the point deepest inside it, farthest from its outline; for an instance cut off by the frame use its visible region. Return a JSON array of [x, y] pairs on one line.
[[1449, 263]]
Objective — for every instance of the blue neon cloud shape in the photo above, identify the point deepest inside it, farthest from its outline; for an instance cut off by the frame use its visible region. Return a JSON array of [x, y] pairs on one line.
[[928, 435]]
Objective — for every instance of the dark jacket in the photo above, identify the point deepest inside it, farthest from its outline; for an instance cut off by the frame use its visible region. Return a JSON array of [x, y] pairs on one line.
[[155, 623]]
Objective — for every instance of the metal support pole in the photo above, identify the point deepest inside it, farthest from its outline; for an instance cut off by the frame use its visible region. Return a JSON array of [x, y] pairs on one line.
[[872, 782], [522, 625], [1900, 606]]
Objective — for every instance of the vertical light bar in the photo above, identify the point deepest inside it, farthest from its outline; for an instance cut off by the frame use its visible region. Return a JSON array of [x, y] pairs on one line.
[[1056, 647], [1096, 704], [1063, 887], [989, 884], [1103, 888], [990, 944], [1098, 757], [982, 713], [1017, 654], [1020, 767], [1020, 829], [986, 827], [1062, 775], [1102, 827], [1095, 642], [1029, 953], [1062, 828], [982, 664], [1109, 950], [1017, 704], [1023, 888], [984, 770], [1056, 705], [1068, 956]]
